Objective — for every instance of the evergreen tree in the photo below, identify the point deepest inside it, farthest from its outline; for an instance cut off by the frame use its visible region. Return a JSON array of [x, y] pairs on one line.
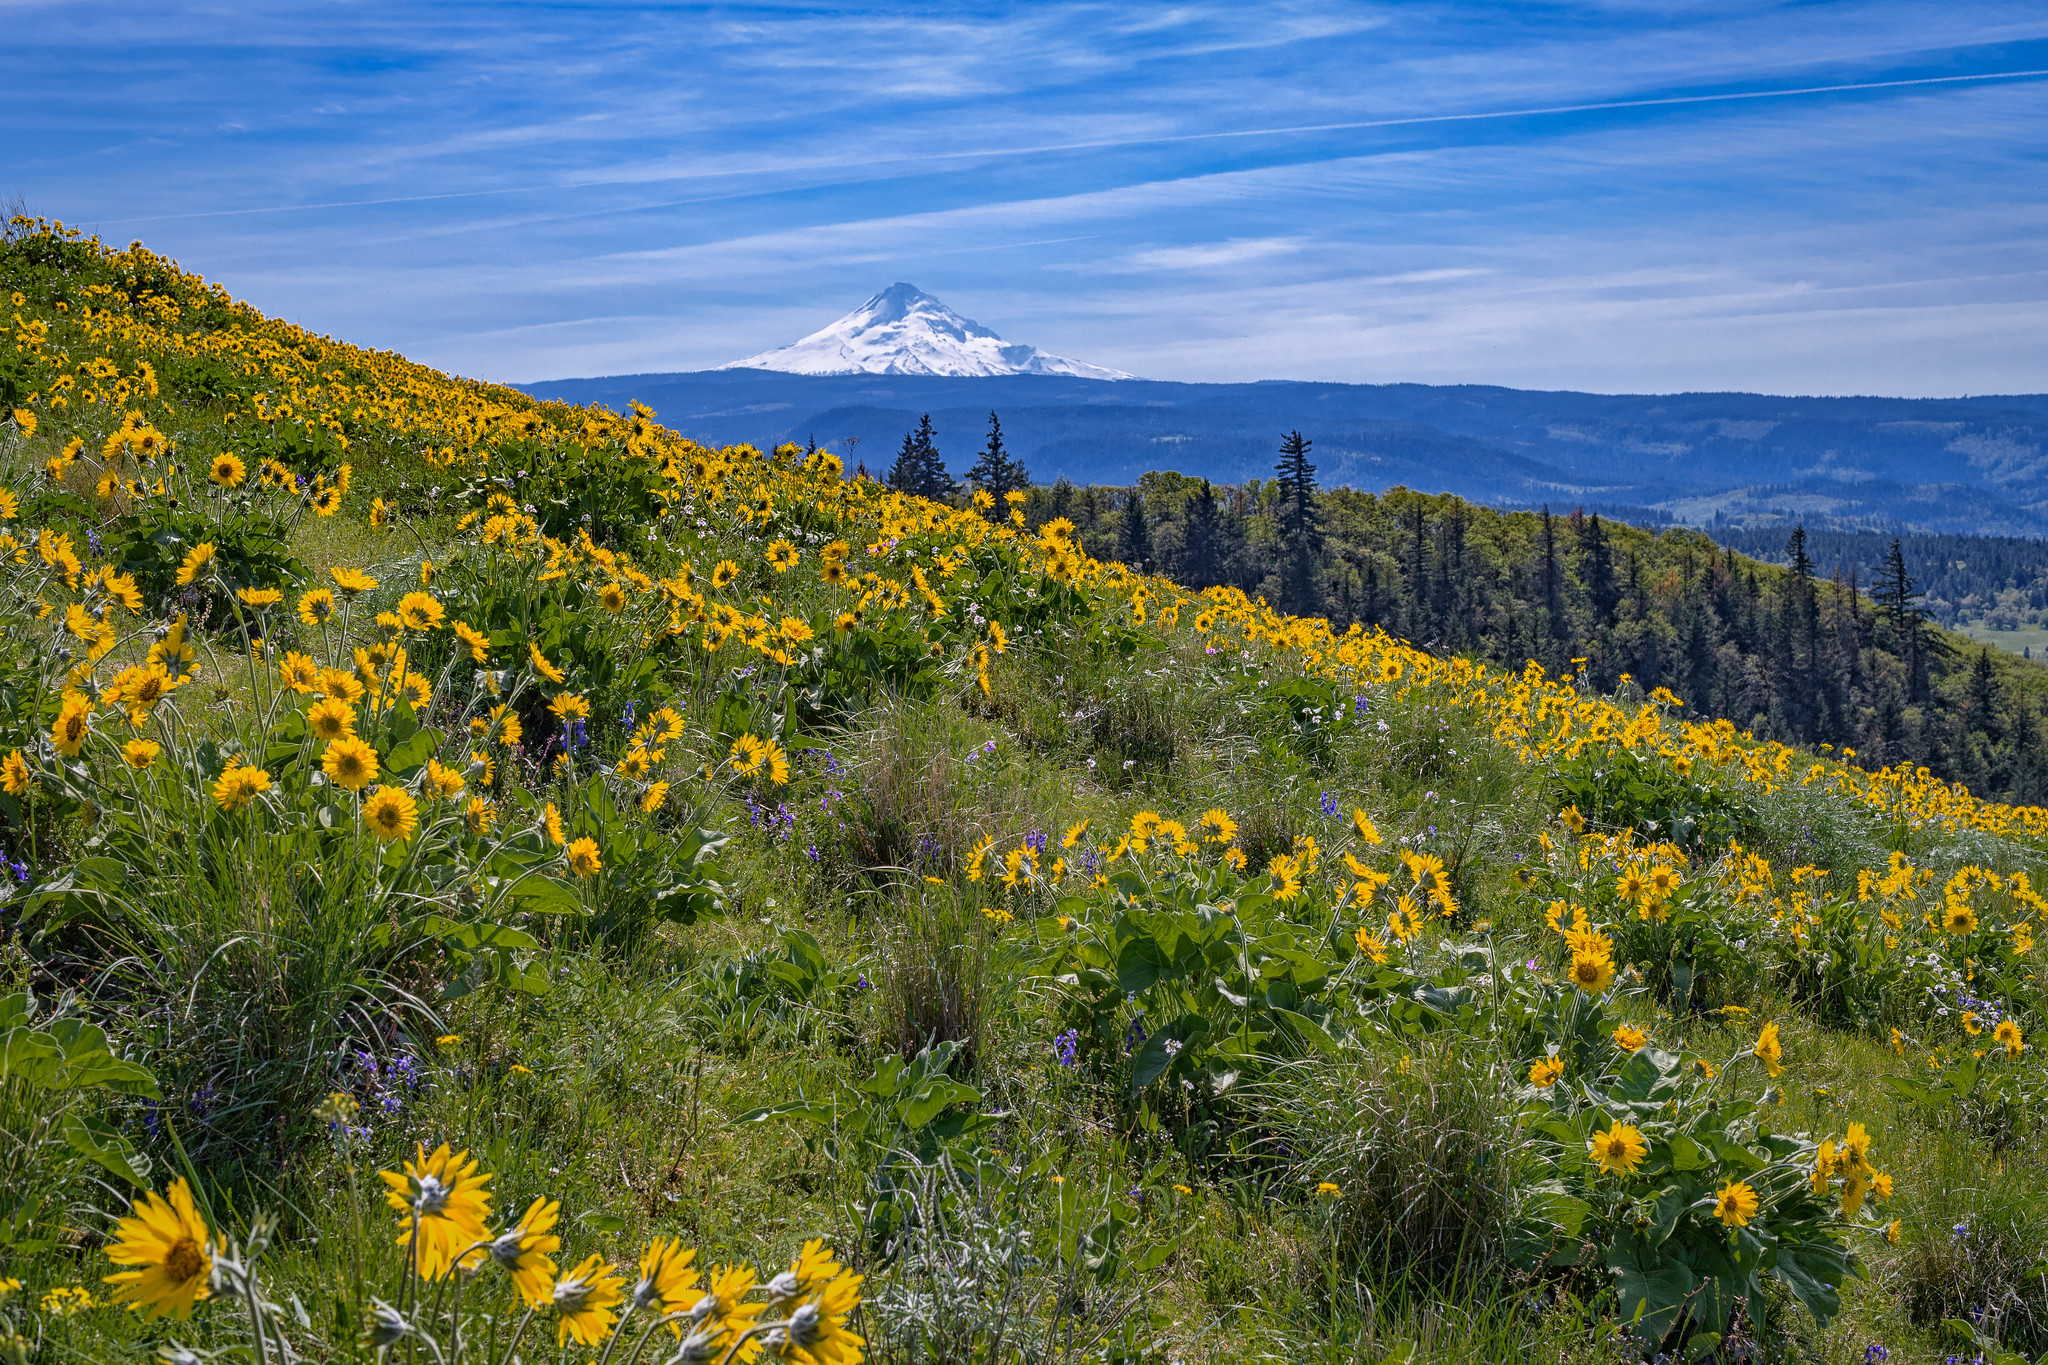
[[1596, 568], [1134, 533], [1421, 620], [1898, 599], [1983, 695], [1799, 642], [1301, 528], [919, 469], [1200, 540], [996, 471], [1551, 580]]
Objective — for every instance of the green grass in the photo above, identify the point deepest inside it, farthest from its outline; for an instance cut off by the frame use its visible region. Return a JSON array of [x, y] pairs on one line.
[[2032, 639], [635, 1070]]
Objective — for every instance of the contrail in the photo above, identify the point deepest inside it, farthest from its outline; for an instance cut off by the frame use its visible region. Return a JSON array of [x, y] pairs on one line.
[[990, 154]]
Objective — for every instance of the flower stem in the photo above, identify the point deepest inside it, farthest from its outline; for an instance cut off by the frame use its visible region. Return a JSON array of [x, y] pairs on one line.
[[517, 1332]]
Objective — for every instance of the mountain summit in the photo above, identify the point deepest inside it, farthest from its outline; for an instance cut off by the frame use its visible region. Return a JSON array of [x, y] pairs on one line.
[[904, 330]]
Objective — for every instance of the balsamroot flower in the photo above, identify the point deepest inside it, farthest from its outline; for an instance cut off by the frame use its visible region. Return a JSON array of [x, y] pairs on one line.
[[165, 1240], [583, 857], [240, 785], [817, 1331], [420, 611], [523, 1251], [442, 1197], [1736, 1204], [1590, 973], [1619, 1150], [74, 723], [667, 1284], [391, 814], [331, 719], [298, 672], [755, 757], [349, 763], [586, 1301], [195, 562], [543, 667], [722, 1315], [353, 582], [1768, 1050]]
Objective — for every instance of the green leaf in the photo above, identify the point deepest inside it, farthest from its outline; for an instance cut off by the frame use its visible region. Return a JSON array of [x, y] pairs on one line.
[[1155, 1057], [546, 896], [1139, 966], [100, 1144], [409, 755], [32, 1056], [17, 1010], [478, 935], [1652, 1286], [933, 1099], [1687, 1155], [807, 1110], [1813, 1271]]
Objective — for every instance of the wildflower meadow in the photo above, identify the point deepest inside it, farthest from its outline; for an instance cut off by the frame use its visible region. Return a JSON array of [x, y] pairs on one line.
[[489, 880]]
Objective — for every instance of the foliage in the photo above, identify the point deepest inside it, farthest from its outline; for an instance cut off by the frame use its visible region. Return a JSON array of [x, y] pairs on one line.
[[58, 1150]]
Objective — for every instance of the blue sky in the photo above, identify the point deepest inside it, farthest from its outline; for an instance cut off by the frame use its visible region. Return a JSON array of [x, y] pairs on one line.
[[1609, 196]]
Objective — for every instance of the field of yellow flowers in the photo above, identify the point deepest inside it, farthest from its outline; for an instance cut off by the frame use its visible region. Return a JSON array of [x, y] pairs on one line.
[[492, 880]]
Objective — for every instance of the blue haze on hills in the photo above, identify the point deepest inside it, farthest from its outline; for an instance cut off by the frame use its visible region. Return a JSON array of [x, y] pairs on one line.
[[1975, 465]]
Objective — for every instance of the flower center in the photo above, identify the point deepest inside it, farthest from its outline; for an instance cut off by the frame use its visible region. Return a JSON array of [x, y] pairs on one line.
[[432, 1197], [184, 1260]]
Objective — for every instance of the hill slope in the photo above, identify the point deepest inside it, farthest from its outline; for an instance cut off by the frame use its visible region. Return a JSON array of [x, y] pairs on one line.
[[735, 851]]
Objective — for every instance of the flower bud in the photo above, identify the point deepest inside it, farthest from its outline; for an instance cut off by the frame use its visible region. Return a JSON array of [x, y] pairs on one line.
[[386, 1328]]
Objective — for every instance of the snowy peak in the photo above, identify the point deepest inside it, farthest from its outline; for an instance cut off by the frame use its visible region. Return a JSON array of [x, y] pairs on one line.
[[904, 330]]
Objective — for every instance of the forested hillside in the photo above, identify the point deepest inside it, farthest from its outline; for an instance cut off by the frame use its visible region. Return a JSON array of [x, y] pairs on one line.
[[1790, 652], [2000, 582]]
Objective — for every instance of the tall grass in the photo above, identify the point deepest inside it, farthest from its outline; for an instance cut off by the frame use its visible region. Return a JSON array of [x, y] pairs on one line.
[[1420, 1140]]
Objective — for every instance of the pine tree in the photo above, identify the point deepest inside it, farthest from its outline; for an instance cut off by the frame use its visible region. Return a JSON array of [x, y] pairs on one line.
[[918, 469], [1200, 540], [1596, 567], [997, 472], [1984, 695], [1301, 528], [1552, 583], [1898, 598], [1134, 533]]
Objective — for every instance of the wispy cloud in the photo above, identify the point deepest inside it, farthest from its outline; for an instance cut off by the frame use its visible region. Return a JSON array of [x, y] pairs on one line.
[[1840, 196]]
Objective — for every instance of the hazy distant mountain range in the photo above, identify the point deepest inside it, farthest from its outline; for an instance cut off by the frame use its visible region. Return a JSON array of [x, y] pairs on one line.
[[1970, 465]]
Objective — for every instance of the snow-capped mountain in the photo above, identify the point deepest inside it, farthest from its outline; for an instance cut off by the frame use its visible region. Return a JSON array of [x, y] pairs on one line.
[[904, 330]]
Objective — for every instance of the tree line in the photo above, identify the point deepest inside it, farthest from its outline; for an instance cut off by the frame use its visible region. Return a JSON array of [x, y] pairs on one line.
[[1998, 581], [1843, 660]]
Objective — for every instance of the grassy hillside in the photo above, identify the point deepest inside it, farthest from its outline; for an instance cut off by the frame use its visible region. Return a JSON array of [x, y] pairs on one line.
[[741, 854]]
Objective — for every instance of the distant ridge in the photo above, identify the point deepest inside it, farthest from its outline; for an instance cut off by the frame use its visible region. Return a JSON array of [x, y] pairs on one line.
[[1966, 466], [905, 331]]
